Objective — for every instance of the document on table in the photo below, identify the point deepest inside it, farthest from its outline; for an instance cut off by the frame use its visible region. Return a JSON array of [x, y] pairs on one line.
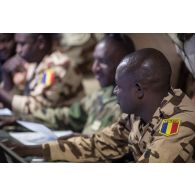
[[35, 138], [5, 112], [41, 134], [36, 127]]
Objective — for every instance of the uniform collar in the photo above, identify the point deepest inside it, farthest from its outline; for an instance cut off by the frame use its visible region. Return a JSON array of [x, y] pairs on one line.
[[163, 111], [107, 94]]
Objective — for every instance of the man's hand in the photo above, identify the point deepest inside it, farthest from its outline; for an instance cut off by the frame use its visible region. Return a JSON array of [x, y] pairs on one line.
[[21, 149], [14, 72], [17, 147], [5, 121], [73, 135]]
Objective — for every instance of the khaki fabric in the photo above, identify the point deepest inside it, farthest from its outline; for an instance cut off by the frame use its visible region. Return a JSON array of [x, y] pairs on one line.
[[131, 134], [65, 88]]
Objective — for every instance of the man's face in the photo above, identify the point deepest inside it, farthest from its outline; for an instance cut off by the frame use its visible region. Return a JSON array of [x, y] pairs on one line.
[[26, 47], [103, 67], [7, 45], [125, 90]]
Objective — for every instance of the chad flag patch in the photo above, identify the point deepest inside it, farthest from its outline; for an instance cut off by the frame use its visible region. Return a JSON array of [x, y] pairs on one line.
[[48, 77], [169, 127]]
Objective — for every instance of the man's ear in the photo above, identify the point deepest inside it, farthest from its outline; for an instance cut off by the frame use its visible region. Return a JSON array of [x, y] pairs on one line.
[[139, 90], [41, 42]]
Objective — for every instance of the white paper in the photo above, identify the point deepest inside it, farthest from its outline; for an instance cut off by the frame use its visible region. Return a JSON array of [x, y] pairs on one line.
[[36, 127], [5, 112], [36, 138]]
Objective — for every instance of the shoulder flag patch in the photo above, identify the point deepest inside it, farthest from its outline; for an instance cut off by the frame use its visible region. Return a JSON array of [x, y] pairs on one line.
[[170, 127], [48, 77]]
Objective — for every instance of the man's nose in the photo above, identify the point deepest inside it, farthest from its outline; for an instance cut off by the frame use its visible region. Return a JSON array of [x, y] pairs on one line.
[[18, 49], [95, 66]]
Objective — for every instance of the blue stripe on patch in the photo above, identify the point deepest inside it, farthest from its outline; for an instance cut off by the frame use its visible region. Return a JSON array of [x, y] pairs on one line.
[[164, 128], [44, 78]]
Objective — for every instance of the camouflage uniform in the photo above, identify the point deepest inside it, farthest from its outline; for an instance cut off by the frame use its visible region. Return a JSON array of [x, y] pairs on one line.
[[145, 141], [52, 83], [93, 113]]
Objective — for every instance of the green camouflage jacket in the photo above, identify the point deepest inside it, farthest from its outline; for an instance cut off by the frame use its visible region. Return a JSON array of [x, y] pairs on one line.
[[169, 137], [91, 114]]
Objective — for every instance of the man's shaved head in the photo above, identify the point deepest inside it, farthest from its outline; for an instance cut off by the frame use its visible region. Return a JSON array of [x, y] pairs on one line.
[[143, 79], [148, 67]]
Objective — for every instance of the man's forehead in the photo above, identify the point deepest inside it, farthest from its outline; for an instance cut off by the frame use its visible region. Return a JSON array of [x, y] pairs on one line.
[[122, 67], [100, 50], [122, 72], [119, 71], [23, 37]]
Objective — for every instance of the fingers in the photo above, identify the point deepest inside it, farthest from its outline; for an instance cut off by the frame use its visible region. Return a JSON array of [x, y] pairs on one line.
[[4, 141], [73, 135], [7, 142], [68, 136], [11, 145]]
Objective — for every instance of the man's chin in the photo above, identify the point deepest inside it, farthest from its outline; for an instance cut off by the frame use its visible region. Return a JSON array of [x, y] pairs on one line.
[[124, 110], [102, 84]]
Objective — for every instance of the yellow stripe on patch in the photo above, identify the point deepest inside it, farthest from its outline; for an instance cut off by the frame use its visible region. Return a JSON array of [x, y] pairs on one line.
[[48, 81], [168, 131]]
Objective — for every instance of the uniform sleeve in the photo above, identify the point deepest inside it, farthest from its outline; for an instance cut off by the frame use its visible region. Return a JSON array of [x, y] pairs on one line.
[[107, 145], [73, 117], [174, 148], [66, 89]]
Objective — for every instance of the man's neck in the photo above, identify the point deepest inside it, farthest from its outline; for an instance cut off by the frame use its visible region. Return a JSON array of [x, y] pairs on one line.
[[41, 56], [151, 107]]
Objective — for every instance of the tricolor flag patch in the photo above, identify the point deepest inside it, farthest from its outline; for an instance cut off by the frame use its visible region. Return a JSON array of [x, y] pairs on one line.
[[169, 127], [48, 77]]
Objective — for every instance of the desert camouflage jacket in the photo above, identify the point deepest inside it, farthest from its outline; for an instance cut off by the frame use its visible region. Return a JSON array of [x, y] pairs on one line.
[[91, 114], [169, 137], [52, 83]]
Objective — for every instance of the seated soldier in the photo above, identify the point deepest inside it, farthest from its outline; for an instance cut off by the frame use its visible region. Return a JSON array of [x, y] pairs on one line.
[[99, 109], [159, 127], [51, 79]]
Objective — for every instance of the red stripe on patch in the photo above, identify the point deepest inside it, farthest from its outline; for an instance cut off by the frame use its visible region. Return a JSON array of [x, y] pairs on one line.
[[174, 128], [52, 78]]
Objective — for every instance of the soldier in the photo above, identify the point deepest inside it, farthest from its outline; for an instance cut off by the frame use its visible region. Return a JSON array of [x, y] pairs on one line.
[[159, 127], [98, 110], [51, 80]]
